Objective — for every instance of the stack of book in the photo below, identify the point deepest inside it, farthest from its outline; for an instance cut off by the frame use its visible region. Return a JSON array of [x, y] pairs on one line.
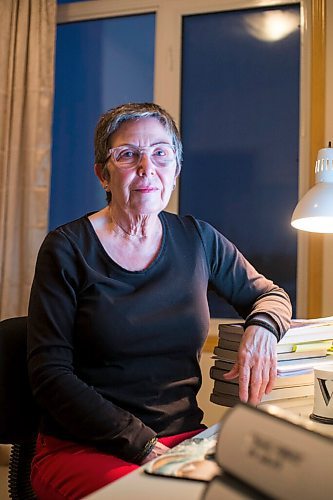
[[306, 344]]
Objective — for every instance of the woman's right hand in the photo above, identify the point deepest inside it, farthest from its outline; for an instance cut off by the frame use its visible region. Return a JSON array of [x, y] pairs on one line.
[[159, 449]]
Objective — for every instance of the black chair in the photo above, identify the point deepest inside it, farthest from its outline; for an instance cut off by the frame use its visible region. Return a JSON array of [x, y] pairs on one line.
[[19, 415]]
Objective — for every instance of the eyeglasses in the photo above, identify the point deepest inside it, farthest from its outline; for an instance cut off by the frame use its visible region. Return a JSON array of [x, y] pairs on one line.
[[130, 156]]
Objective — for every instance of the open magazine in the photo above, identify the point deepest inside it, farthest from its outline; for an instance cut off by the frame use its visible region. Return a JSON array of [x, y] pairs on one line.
[[191, 459]]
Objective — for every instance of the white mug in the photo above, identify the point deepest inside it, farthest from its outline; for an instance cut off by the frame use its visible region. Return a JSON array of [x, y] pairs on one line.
[[323, 394]]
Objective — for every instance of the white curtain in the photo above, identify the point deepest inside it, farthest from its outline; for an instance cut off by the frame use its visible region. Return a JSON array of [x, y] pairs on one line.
[[27, 44]]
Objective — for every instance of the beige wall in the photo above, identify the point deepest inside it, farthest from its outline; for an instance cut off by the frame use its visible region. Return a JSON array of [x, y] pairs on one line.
[[328, 239]]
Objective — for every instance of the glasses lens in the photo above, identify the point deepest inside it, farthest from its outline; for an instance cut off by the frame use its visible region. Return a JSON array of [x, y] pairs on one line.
[[129, 156], [126, 156], [162, 154]]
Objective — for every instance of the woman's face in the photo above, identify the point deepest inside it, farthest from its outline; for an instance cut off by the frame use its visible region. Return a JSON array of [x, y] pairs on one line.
[[146, 188]]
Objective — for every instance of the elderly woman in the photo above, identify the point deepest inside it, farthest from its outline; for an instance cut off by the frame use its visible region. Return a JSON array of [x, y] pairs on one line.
[[118, 316]]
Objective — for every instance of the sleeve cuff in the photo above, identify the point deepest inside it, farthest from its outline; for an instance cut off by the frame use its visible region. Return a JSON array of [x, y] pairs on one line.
[[260, 322]]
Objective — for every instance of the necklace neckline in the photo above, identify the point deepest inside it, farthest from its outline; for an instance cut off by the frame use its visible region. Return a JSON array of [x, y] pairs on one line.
[[124, 232], [159, 256]]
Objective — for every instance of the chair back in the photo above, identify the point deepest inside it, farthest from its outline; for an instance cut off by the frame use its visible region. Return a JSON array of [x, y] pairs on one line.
[[19, 415]]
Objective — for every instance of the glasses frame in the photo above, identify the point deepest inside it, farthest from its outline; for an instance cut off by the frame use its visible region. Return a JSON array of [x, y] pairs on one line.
[[141, 150]]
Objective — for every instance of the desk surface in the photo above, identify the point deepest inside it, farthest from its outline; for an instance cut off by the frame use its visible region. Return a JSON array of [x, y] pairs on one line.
[[140, 486]]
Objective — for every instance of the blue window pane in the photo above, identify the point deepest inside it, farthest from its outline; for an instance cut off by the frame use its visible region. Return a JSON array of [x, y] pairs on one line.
[[99, 64], [240, 128]]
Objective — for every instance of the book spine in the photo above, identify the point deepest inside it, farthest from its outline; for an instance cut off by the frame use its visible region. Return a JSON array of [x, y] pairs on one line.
[[306, 379], [222, 388]]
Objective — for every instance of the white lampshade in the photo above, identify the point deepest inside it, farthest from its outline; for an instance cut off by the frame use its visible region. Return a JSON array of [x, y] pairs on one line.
[[314, 212]]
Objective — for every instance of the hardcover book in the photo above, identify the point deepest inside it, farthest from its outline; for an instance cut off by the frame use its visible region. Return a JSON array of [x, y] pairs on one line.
[[275, 452], [228, 355], [217, 373], [221, 388], [301, 330]]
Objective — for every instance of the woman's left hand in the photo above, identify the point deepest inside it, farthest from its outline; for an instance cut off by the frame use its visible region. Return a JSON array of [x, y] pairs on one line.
[[256, 365]]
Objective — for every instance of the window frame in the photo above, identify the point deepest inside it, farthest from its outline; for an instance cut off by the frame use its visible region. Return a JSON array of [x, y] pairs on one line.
[[167, 89]]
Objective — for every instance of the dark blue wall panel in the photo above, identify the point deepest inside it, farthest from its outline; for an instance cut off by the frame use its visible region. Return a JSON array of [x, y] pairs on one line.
[[240, 127]]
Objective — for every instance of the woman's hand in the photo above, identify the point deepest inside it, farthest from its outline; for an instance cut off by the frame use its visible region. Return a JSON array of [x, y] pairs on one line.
[[256, 365], [159, 449]]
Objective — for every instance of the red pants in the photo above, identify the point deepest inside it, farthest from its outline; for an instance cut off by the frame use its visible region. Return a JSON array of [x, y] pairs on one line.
[[66, 470]]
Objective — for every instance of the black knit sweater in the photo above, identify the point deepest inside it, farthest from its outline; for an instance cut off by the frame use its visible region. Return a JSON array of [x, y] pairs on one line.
[[114, 354]]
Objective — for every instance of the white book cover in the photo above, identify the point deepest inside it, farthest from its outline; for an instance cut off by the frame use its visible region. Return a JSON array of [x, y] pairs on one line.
[[302, 365], [319, 345], [309, 333], [277, 452]]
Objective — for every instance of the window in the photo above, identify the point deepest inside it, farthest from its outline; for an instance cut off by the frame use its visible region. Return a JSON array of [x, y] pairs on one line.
[[99, 64], [240, 128], [237, 98]]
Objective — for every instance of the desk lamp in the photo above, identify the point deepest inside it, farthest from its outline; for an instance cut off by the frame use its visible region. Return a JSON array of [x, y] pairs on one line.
[[314, 212]]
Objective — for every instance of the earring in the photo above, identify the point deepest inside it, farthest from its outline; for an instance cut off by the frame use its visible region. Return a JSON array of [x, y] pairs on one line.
[[105, 187]]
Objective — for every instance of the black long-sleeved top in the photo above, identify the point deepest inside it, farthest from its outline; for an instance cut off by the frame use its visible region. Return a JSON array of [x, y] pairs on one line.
[[113, 355]]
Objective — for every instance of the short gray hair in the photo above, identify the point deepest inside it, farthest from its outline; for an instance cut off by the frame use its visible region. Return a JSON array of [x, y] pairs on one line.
[[111, 120]]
